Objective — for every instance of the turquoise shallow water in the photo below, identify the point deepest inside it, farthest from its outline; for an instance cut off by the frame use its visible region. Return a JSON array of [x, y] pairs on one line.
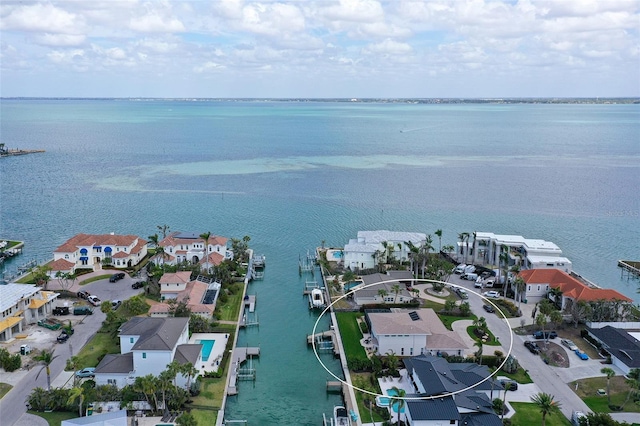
[[291, 175]]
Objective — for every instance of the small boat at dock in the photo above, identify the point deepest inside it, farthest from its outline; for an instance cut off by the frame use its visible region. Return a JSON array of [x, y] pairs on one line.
[[316, 299], [340, 416]]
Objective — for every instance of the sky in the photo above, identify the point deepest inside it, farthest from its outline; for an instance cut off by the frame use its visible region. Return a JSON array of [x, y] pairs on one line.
[[320, 49]]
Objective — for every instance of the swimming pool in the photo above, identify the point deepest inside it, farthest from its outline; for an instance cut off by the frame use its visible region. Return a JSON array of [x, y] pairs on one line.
[[383, 401], [348, 286], [207, 347]]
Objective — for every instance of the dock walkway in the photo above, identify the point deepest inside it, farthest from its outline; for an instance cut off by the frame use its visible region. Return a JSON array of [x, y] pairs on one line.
[[631, 267], [238, 358]]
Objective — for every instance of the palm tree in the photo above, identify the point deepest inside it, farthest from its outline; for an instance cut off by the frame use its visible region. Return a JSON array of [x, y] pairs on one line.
[[545, 403], [164, 229], [439, 235], [154, 239], [190, 371], [205, 236], [382, 293], [77, 393], [556, 293], [424, 250], [507, 386], [478, 343], [609, 373], [46, 357], [396, 289], [633, 381], [398, 398]]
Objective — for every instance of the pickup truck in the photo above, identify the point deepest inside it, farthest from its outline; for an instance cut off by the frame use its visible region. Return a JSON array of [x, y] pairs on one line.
[[50, 323]]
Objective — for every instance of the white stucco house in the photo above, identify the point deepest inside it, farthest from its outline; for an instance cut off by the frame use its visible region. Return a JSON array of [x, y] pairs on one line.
[[199, 294], [407, 332], [21, 305], [147, 346], [485, 248], [381, 288], [190, 247], [87, 251], [360, 252]]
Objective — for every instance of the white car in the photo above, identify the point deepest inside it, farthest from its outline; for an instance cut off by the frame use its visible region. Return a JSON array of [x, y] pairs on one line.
[[94, 300], [492, 294], [569, 344]]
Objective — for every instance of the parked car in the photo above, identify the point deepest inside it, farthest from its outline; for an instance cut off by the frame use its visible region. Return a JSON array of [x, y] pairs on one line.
[[61, 310], [462, 293], [545, 335], [569, 344], [115, 304], [492, 294], [86, 372], [488, 308], [469, 276], [82, 310], [116, 277], [83, 294], [512, 384], [137, 284], [459, 269], [532, 346], [63, 337], [94, 300], [581, 355]]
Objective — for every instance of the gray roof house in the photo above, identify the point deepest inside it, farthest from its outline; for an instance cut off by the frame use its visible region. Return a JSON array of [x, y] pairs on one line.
[[623, 347], [435, 379], [374, 283], [147, 346]]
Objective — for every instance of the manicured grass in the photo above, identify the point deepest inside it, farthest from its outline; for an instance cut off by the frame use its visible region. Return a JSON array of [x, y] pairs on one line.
[[351, 334], [363, 381], [4, 388], [587, 390], [230, 310], [447, 320], [521, 376], [205, 417], [96, 278], [528, 414], [99, 345], [491, 341], [205, 406], [56, 417]]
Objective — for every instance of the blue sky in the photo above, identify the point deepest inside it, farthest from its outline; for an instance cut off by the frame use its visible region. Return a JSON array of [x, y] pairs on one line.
[[341, 48]]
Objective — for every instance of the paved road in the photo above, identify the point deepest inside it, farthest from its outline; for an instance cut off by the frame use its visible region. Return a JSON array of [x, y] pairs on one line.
[[13, 404]]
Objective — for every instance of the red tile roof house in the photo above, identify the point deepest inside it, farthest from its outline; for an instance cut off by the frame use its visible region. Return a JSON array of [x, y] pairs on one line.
[[189, 247], [199, 295], [86, 251], [540, 281]]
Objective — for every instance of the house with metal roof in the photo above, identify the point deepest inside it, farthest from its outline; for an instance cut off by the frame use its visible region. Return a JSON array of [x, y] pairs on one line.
[[623, 347], [147, 346], [380, 289], [21, 305], [450, 393], [410, 332]]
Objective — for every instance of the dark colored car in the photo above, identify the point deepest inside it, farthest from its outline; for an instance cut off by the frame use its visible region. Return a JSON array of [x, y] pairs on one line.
[[63, 337], [82, 310], [61, 310], [488, 308], [532, 346], [545, 335], [116, 277], [83, 294], [137, 284], [115, 304], [512, 384]]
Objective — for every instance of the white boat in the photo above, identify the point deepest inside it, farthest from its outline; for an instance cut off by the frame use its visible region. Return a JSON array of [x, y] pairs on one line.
[[340, 416], [316, 299]]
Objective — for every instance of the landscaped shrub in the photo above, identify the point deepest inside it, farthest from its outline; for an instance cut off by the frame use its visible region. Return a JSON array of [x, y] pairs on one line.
[[12, 363], [509, 306], [358, 365]]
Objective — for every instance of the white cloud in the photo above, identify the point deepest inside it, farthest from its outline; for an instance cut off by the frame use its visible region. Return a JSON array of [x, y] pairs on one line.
[[353, 11], [208, 67], [41, 18], [60, 40], [389, 47]]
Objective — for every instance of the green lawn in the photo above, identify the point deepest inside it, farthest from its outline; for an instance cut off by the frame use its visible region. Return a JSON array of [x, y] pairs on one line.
[[55, 417], [4, 388], [99, 345], [491, 341], [587, 390], [205, 406], [351, 334], [96, 278], [521, 376], [447, 320], [230, 310], [528, 414]]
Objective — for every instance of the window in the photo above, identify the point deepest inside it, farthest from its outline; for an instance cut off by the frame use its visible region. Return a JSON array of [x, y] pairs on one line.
[[538, 287], [144, 355], [410, 351], [112, 382], [66, 256], [130, 339], [401, 351]]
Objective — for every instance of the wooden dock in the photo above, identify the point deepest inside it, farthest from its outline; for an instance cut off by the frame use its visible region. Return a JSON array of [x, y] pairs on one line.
[[630, 267], [239, 357]]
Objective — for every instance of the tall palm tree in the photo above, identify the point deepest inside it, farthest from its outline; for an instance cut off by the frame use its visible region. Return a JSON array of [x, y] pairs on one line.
[[154, 239], [439, 235], [77, 393], [164, 229], [398, 398], [478, 343], [396, 290], [382, 293], [46, 358], [507, 386], [424, 250], [609, 373], [546, 404], [205, 236], [633, 381], [190, 371]]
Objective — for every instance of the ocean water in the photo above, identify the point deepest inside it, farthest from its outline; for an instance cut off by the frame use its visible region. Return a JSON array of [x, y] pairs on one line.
[[293, 174]]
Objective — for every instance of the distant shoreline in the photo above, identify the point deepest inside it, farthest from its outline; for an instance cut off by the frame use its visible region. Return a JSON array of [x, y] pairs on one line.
[[432, 101]]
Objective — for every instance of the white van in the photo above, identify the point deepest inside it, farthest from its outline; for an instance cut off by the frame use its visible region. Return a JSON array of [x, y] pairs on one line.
[[469, 269], [459, 269], [471, 276]]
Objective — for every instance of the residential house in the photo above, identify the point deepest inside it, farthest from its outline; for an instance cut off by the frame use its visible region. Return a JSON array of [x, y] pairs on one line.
[[540, 281], [200, 294], [486, 248], [622, 345], [111, 418], [362, 252], [452, 393], [411, 332], [147, 346], [190, 247], [381, 288], [86, 251], [21, 305]]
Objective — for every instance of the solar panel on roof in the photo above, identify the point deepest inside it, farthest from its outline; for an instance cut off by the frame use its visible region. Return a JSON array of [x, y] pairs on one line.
[[414, 316]]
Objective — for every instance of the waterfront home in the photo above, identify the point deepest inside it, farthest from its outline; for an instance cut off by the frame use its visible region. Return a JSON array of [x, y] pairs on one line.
[[486, 248], [540, 281], [147, 346], [190, 247], [381, 288], [200, 294], [22, 304], [622, 345], [408, 332], [86, 251], [364, 251], [431, 376]]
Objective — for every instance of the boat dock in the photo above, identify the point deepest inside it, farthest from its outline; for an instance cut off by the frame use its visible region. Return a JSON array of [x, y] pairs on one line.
[[630, 268], [324, 341], [7, 152], [239, 357], [250, 302]]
